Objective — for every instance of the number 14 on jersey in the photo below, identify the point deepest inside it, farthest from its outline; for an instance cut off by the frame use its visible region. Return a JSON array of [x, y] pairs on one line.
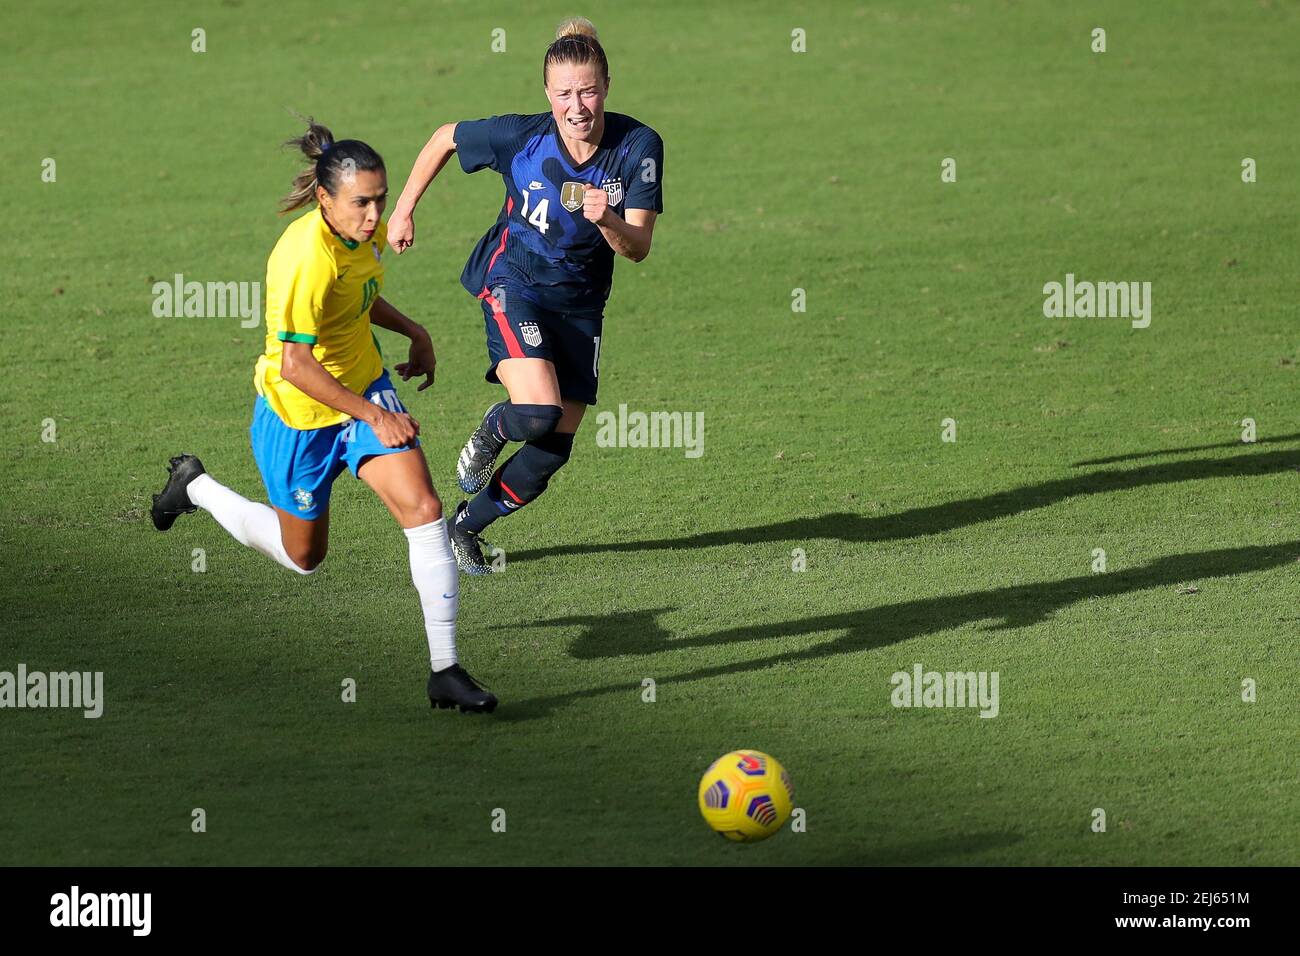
[[538, 218]]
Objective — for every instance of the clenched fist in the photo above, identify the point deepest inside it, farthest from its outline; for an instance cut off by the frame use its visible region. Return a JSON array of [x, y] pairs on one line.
[[595, 204], [401, 232]]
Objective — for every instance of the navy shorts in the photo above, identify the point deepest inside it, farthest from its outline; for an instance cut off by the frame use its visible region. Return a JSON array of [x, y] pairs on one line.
[[519, 326]]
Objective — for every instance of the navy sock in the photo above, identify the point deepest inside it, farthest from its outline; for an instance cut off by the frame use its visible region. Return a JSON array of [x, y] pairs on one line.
[[520, 480]]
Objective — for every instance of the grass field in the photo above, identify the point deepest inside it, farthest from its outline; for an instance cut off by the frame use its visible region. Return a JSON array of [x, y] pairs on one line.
[[817, 171]]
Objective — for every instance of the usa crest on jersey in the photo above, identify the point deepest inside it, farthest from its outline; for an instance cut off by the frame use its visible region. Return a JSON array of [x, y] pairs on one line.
[[614, 189], [531, 333]]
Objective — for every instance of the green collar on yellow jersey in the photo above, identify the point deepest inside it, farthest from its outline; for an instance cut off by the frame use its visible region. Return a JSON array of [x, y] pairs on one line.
[[350, 243]]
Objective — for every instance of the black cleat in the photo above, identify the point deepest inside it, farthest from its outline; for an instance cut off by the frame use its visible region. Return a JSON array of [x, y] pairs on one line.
[[474, 466], [467, 546], [173, 501], [453, 687]]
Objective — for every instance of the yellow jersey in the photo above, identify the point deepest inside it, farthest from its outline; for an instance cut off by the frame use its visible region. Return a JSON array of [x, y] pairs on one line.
[[319, 290]]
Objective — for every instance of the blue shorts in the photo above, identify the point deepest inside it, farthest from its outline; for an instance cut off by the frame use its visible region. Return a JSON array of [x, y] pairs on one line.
[[520, 326], [299, 465]]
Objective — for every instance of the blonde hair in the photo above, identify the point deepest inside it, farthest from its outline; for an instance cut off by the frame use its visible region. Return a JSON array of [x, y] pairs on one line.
[[576, 42], [576, 27]]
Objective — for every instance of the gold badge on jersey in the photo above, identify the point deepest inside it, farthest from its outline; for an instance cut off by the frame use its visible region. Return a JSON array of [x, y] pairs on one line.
[[571, 196]]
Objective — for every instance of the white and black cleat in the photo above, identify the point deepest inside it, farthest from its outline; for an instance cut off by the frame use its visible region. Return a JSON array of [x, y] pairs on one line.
[[453, 687], [467, 546], [173, 501], [477, 458]]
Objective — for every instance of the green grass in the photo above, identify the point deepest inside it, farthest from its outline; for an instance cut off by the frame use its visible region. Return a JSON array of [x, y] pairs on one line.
[[817, 171]]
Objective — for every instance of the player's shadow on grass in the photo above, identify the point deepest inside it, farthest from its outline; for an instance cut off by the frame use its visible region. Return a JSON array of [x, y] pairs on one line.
[[1115, 459], [936, 519], [641, 633]]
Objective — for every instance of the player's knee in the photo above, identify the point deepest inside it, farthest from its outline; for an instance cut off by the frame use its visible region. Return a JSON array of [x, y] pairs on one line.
[[530, 422], [306, 560], [426, 510]]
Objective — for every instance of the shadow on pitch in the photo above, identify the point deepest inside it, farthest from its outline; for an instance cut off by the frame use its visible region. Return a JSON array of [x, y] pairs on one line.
[[614, 635], [1115, 459], [937, 519]]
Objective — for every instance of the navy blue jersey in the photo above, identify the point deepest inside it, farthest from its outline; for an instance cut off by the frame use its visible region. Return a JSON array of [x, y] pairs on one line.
[[541, 232]]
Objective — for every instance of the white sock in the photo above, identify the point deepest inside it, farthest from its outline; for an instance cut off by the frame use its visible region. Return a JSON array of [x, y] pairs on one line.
[[433, 569], [252, 524]]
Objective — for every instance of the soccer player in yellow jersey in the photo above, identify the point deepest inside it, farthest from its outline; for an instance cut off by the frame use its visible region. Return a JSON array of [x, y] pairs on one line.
[[325, 402]]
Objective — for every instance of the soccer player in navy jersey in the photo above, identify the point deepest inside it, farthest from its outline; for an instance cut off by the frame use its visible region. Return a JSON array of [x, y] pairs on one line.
[[581, 186]]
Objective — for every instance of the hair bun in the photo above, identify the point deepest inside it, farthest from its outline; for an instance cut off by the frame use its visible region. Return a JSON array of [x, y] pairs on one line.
[[576, 27]]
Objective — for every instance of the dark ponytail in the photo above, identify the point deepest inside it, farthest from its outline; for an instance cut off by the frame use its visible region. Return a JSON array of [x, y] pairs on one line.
[[328, 162]]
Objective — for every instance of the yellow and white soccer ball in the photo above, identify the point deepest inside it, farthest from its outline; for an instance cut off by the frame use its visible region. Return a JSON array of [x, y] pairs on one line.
[[746, 796]]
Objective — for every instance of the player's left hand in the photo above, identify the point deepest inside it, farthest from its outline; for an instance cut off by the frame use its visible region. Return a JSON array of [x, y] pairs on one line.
[[422, 362], [595, 204]]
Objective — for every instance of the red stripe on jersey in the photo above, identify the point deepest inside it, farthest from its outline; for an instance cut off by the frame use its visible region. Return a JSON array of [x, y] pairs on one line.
[[510, 205]]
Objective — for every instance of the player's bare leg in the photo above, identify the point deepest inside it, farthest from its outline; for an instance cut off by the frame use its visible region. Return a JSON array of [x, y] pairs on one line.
[[305, 542], [572, 417]]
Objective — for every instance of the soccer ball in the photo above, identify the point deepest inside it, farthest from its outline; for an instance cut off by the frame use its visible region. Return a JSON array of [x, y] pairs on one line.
[[746, 796]]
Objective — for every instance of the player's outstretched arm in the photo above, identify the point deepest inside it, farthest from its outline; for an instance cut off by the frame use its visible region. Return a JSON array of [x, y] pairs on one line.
[[421, 360], [436, 152]]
